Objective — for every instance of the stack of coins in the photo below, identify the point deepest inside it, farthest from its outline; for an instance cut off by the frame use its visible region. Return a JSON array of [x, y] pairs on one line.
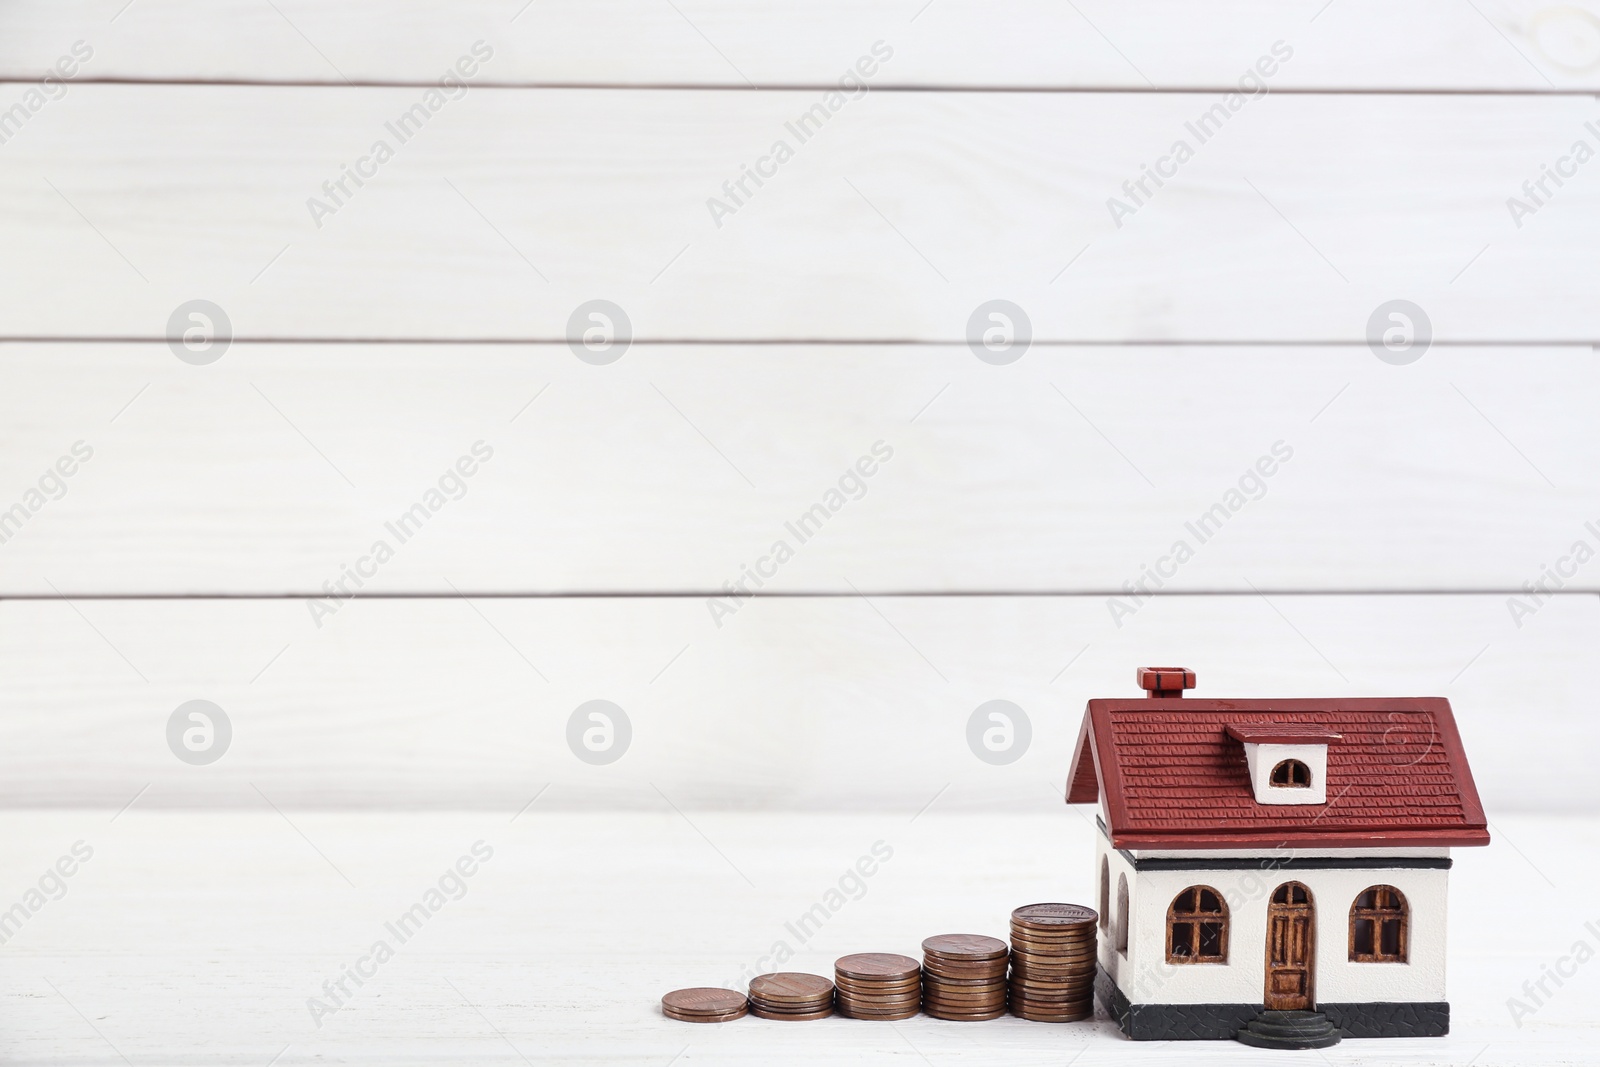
[[703, 1004], [1053, 962], [877, 985], [964, 977], [791, 995]]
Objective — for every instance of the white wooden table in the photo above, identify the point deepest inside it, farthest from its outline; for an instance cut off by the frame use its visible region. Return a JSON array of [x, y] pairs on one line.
[[199, 937]]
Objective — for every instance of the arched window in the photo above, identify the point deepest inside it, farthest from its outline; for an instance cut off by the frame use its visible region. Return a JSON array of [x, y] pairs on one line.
[[1197, 927], [1122, 914], [1105, 893], [1378, 925], [1291, 774]]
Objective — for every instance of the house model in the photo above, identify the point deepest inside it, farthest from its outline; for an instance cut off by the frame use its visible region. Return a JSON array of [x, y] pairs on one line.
[[1273, 870]]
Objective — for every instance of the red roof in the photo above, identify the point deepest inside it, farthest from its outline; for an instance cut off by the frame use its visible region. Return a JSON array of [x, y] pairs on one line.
[[1175, 774]]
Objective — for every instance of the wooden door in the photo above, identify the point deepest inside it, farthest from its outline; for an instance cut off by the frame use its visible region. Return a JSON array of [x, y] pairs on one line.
[[1291, 928]]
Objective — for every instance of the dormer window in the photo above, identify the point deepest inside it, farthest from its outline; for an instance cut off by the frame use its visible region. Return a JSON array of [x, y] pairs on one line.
[[1291, 774], [1288, 762]]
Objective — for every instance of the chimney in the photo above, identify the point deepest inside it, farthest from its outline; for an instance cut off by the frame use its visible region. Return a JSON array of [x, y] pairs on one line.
[[1165, 681]]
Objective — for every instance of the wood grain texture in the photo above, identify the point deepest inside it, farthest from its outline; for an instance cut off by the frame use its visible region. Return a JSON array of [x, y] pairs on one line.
[[680, 467], [1294, 221], [804, 703], [1358, 44], [561, 944]]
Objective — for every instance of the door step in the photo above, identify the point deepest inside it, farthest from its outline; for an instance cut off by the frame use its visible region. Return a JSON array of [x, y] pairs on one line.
[[1289, 1030]]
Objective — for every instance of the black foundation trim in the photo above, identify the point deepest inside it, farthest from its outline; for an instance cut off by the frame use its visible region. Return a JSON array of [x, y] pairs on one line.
[[1380, 1019], [1217, 1022]]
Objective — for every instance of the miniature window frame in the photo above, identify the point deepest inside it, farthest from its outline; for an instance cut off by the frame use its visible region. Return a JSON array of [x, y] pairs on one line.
[[1191, 911], [1380, 926], [1290, 774], [1105, 892], [1122, 914]]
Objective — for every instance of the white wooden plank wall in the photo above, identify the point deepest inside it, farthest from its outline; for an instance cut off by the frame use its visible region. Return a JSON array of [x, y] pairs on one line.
[[1514, 45], [676, 468], [1294, 220], [424, 311]]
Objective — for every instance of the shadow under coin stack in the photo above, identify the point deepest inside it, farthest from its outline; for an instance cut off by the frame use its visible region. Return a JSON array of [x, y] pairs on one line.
[[791, 995], [877, 985], [1053, 962], [704, 1004], [964, 977]]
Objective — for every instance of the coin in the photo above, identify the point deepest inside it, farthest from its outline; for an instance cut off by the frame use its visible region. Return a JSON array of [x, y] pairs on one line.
[[939, 989], [703, 1000], [935, 984], [1033, 954], [791, 1016], [986, 1001], [1034, 971], [1029, 938], [1047, 1017], [875, 989], [964, 1017], [876, 965], [1051, 995], [874, 1002], [1055, 915], [959, 971], [790, 986], [964, 947]]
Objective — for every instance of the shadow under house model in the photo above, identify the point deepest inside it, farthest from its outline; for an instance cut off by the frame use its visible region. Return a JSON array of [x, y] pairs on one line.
[[1273, 870]]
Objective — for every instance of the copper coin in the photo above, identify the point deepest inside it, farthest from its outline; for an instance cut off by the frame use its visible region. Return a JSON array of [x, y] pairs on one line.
[[1052, 973], [1053, 977], [876, 965], [939, 963], [950, 987], [790, 985], [689, 1017], [966, 980], [1031, 954], [964, 1017], [1040, 948], [1034, 985], [1044, 937], [1057, 1000], [934, 965], [1052, 996], [881, 1013], [1074, 970], [1055, 933], [963, 992], [846, 992], [876, 989], [938, 989], [888, 998], [1041, 1017], [964, 946], [791, 1016], [1049, 944], [997, 997], [704, 1000], [895, 991], [1055, 915]]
